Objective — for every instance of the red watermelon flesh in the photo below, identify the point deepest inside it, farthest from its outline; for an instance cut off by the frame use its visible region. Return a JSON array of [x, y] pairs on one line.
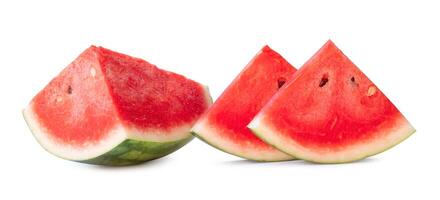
[[331, 112], [110, 108], [224, 124]]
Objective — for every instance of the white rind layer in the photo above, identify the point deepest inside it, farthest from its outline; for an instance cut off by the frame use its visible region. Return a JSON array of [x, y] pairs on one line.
[[177, 133], [70, 152], [116, 136], [209, 134], [390, 138], [92, 150]]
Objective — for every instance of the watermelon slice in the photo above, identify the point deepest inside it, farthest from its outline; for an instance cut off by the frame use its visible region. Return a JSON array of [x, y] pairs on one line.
[[112, 109], [330, 112], [224, 124]]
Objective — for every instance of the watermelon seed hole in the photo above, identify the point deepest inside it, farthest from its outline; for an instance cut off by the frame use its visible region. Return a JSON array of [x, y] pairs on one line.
[[69, 90], [324, 80], [353, 81], [281, 82]]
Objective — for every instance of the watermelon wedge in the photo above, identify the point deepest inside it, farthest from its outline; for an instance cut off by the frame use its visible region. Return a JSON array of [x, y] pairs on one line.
[[224, 124], [330, 112], [112, 109]]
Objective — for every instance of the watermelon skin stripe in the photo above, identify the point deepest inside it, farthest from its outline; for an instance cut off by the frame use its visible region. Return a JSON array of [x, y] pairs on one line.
[[131, 152], [128, 152]]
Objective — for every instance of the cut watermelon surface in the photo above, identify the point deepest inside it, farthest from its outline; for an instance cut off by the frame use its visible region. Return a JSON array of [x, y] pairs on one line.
[[112, 109], [224, 124], [330, 112]]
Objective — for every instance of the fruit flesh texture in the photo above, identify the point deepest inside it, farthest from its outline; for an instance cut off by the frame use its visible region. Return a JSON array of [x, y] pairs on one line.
[[149, 98], [75, 107], [102, 90], [244, 97], [330, 106]]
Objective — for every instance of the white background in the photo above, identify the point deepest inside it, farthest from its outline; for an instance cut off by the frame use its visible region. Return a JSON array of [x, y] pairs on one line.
[[395, 43]]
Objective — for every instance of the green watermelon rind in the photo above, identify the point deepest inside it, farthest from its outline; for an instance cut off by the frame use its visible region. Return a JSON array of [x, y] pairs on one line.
[[256, 127], [127, 152], [122, 149], [132, 152]]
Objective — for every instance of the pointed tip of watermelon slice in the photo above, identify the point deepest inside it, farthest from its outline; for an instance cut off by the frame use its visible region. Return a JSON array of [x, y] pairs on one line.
[[330, 42], [266, 48], [329, 46]]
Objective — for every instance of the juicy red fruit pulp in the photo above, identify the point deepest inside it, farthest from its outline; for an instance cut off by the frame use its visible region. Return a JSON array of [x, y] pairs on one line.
[[102, 89], [331, 104], [257, 83], [75, 107], [149, 98]]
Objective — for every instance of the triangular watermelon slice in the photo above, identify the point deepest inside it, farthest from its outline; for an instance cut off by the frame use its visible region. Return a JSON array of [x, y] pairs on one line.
[[224, 124], [112, 109], [330, 112]]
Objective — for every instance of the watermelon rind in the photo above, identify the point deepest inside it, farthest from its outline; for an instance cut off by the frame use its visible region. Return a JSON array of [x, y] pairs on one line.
[[402, 130], [202, 129], [123, 146], [131, 152]]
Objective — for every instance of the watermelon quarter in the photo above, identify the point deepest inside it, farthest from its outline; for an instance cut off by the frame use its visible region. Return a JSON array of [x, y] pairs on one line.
[[112, 109], [330, 112], [224, 124]]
